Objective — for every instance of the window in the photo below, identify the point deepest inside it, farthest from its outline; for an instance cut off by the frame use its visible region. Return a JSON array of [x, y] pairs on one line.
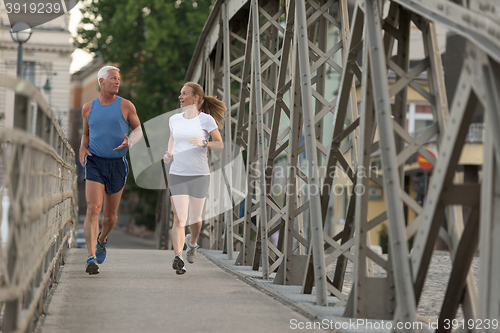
[[28, 71], [422, 123]]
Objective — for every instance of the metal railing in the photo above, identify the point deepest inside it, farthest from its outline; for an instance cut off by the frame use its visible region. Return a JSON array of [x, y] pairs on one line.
[[38, 190]]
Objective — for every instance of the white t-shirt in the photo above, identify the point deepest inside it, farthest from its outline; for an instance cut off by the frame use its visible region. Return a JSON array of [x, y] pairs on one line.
[[189, 160]]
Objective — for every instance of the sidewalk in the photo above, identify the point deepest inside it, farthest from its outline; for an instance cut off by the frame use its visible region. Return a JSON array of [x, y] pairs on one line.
[[137, 291]]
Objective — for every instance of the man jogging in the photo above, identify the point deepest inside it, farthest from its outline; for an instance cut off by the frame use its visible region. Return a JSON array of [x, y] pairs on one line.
[[106, 122]]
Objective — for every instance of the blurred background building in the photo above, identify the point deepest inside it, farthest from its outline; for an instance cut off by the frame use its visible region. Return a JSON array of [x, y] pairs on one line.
[[46, 63]]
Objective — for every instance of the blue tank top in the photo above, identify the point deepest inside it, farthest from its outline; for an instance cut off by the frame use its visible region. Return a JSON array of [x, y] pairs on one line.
[[107, 129]]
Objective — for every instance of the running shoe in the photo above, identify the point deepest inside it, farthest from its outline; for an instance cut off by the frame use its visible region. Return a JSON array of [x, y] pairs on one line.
[[178, 264], [190, 250], [100, 250], [91, 266]]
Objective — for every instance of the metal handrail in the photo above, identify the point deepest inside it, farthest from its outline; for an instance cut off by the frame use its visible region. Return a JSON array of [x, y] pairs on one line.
[[38, 190]]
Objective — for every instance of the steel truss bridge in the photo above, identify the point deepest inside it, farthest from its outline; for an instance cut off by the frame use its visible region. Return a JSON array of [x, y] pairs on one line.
[[269, 61]]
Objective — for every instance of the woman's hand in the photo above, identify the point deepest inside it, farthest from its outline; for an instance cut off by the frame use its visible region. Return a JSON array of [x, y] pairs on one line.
[[195, 141], [167, 158]]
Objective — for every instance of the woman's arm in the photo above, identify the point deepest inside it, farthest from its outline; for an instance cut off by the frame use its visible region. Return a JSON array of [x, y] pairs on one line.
[[171, 143], [215, 144], [168, 155]]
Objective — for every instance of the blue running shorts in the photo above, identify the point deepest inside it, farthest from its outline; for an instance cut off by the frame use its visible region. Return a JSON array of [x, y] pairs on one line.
[[112, 172], [194, 186]]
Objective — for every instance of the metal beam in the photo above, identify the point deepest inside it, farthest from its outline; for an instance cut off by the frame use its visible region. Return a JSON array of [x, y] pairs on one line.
[[228, 215], [475, 26], [257, 85], [313, 170], [399, 251]]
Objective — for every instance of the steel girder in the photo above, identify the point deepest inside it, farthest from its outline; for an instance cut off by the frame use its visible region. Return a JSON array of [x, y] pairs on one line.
[[274, 66]]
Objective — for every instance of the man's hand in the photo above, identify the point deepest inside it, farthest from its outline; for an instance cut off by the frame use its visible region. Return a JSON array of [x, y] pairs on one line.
[[83, 152], [167, 157], [125, 143]]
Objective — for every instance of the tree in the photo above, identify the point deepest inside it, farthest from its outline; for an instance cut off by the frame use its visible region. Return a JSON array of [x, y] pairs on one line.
[[152, 42]]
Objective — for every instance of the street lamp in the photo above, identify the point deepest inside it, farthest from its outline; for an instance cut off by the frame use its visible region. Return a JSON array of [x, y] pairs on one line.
[[47, 86], [20, 33]]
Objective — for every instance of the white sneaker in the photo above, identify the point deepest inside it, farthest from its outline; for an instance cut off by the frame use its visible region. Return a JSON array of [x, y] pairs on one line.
[[190, 250]]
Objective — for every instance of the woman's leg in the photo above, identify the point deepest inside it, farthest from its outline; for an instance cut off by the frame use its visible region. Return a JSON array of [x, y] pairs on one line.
[[180, 205], [195, 220]]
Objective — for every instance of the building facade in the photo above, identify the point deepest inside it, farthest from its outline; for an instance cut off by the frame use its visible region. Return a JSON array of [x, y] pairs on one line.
[[46, 62]]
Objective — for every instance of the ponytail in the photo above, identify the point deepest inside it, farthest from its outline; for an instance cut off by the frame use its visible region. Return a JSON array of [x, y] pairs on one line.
[[209, 105], [215, 108]]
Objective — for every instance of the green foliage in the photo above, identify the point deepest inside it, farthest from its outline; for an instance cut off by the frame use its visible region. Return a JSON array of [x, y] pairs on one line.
[[152, 42], [383, 238]]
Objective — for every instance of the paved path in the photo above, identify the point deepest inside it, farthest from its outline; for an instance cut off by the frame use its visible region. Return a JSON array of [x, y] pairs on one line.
[[119, 239], [137, 291]]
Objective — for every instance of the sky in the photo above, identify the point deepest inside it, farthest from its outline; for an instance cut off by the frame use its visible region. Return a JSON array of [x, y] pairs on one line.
[[80, 57]]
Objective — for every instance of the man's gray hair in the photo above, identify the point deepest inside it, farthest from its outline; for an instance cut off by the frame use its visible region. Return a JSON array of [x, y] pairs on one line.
[[103, 73]]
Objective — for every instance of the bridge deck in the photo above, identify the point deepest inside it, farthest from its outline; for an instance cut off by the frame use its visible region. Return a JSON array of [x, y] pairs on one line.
[[137, 291]]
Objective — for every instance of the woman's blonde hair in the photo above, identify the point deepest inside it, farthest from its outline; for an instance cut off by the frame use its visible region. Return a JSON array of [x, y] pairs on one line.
[[208, 104]]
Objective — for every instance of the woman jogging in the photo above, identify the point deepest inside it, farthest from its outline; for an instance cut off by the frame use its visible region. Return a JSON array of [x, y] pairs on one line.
[[189, 175]]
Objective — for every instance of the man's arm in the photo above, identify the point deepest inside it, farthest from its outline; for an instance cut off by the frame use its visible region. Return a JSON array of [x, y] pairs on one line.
[[134, 123], [84, 146], [132, 116]]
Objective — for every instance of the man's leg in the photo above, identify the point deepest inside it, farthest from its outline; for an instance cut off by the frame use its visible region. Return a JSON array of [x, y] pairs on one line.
[[94, 192], [180, 205], [195, 220], [111, 203]]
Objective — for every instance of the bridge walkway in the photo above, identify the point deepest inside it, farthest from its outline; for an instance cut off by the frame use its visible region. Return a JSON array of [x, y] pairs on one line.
[[137, 291]]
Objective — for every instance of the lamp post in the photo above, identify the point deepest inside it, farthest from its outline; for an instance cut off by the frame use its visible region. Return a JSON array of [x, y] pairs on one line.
[[20, 33]]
